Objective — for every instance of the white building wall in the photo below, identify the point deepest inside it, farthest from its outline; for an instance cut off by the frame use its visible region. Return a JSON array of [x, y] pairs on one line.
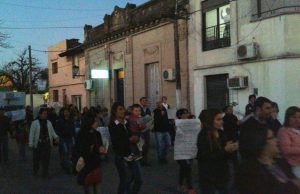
[[276, 74], [275, 79]]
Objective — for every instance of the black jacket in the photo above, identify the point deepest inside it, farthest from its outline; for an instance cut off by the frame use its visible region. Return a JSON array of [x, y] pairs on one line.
[[161, 122], [212, 163], [120, 135], [230, 126], [65, 128], [87, 146], [254, 178]]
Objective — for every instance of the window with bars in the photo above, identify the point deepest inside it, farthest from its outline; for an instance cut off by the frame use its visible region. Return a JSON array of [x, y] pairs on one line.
[[216, 28]]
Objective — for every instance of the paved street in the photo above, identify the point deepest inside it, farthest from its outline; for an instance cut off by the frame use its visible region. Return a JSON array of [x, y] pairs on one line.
[[16, 177]]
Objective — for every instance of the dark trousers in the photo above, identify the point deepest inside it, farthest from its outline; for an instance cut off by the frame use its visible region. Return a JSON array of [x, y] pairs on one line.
[[65, 148], [208, 187], [185, 170], [146, 137], [4, 149], [41, 154], [130, 176]]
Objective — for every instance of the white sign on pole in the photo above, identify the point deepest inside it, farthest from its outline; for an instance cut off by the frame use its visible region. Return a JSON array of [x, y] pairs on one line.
[[185, 146]]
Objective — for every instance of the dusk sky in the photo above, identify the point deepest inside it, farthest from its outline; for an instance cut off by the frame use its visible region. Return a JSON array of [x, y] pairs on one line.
[[36, 14]]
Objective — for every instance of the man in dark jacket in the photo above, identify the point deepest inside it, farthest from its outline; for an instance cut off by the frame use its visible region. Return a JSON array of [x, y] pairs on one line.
[[263, 109], [4, 129], [161, 127]]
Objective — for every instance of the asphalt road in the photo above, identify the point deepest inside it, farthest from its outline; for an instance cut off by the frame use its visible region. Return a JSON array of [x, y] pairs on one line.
[[16, 176]]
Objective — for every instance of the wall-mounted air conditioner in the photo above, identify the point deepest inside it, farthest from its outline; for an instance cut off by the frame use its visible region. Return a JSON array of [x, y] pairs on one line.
[[169, 74], [237, 82], [88, 84], [247, 51]]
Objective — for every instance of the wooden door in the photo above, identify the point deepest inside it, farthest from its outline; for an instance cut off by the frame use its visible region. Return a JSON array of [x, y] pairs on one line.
[[152, 84]]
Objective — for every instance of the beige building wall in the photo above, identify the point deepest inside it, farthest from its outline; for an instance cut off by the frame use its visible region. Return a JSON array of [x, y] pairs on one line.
[[133, 53], [63, 80]]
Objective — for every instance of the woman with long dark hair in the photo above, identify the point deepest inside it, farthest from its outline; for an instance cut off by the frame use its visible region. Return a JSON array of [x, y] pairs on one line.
[[88, 147], [121, 138], [213, 149], [263, 172], [289, 139]]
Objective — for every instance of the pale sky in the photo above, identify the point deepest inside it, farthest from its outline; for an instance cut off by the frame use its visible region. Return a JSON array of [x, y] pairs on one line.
[[17, 14]]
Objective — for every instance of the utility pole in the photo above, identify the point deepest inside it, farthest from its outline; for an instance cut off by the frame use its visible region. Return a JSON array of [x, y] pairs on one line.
[[177, 58], [30, 78]]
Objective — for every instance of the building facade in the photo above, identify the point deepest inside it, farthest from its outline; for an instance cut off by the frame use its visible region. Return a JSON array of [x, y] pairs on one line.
[[66, 65], [136, 46], [238, 48]]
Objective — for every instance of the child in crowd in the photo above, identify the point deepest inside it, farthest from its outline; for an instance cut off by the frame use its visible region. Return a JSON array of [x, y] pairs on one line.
[[136, 129]]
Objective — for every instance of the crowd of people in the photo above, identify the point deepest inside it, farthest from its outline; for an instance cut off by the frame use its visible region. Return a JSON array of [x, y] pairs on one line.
[[233, 156]]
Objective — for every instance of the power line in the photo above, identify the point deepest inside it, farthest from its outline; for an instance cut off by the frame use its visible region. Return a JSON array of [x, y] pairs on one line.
[[69, 19], [40, 28], [48, 8]]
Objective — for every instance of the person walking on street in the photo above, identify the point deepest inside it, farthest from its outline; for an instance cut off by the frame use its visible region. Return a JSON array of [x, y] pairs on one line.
[[263, 109], [161, 127], [185, 166], [289, 139], [121, 138], [213, 150], [41, 138], [250, 108], [4, 129], [146, 112], [89, 147], [263, 172], [66, 132]]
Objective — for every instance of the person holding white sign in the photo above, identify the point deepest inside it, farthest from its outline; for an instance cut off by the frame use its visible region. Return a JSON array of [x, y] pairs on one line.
[[185, 165]]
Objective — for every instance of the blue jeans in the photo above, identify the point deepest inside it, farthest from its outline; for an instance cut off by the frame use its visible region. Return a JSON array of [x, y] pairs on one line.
[[4, 149], [163, 143], [130, 176], [66, 152]]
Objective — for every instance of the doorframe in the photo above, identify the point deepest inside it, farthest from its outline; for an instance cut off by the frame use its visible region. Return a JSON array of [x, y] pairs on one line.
[[205, 87], [160, 91]]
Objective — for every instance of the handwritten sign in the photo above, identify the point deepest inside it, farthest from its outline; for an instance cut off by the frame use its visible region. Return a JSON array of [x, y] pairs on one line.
[[105, 136], [185, 146]]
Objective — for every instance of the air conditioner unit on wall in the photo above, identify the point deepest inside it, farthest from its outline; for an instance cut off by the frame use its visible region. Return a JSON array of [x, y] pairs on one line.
[[237, 82], [169, 74], [247, 51], [88, 84]]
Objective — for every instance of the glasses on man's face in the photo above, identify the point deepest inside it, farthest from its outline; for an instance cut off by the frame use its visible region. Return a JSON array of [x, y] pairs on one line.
[[271, 138]]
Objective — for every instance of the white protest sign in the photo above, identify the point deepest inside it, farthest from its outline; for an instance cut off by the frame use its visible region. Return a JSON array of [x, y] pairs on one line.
[[14, 104], [185, 146], [171, 113], [105, 135], [16, 115]]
